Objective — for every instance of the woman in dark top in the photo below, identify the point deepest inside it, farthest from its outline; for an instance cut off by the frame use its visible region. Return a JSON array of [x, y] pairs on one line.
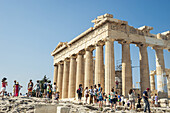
[[139, 100]]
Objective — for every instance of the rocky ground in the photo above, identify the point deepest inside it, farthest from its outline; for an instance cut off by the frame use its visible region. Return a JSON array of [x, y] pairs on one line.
[[43, 105]]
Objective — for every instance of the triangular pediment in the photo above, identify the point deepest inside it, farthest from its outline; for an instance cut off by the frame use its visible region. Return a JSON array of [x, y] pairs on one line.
[[60, 44]]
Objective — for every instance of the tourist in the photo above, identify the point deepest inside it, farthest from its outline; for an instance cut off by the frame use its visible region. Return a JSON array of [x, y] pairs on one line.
[[49, 91], [113, 98], [117, 84], [104, 98], [79, 92], [139, 101], [37, 85], [86, 94], [95, 94], [132, 99], [156, 100], [30, 87], [119, 99], [110, 102], [14, 87], [128, 103], [57, 95], [4, 84], [54, 87], [122, 100], [145, 98], [91, 94], [100, 94], [152, 99], [99, 87], [45, 88]]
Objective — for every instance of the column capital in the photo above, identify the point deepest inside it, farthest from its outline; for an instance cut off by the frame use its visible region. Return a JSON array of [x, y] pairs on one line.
[[82, 52], [108, 39], [124, 42], [100, 43], [73, 56], [56, 64], [157, 47], [90, 48], [142, 45], [60, 62], [67, 59]]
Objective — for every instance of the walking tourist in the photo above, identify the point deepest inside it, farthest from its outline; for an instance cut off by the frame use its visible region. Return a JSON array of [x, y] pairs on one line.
[[145, 98], [99, 87], [79, 92], [4, 84], [37, 85], [113, 98], [49, 91], [100, 94], [132, 99], [156, 100], [54, 87], [86, 94], [14, 87], [95, 94], [30, 87], [91, 94], [139, 101], [119, 99]]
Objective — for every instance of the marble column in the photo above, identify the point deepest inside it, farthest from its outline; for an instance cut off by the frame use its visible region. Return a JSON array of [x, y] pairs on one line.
[[152, 81], [88, 79], [144, 67], [60, 78], [65, 78], [72, 77], [99, 65], [55, 74], [109, 65], [80, 69], [126, 69], [160, 72]]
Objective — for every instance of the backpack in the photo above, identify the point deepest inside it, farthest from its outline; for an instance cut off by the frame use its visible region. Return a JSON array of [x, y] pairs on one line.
[[45, 86], [79, 90]]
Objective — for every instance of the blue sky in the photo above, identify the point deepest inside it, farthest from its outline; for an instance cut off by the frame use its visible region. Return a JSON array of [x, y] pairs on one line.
[[31, 29]]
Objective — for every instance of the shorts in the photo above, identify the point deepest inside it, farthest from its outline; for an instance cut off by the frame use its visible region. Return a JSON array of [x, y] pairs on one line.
[[100, 98], [113, 100], [104, 99], [3, 89], [37, 90], [79, 96], [156, 103], [132, 102], [45, 91]]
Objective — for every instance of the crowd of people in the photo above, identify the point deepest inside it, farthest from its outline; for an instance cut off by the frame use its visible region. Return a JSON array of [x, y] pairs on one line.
[[95, 94]]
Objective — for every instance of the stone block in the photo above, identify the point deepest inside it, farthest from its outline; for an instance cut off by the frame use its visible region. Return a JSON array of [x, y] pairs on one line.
[[45, 109], [163, 104], [164, 100], [62, 109]]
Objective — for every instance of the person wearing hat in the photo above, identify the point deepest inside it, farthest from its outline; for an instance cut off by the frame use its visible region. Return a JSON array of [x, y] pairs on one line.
[[145, 98]]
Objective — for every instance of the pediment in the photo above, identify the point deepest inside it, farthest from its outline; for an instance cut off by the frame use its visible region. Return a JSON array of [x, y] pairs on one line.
[[60, 44]]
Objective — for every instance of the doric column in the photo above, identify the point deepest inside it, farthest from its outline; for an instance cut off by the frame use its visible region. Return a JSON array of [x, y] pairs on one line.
[[144, 67], [80, 69], [126, 69], [65, 78], [60, 77], [160, 72], [55, 74], [109, 65], [152, 80], [72, 77], [99, 65], [88, 67]]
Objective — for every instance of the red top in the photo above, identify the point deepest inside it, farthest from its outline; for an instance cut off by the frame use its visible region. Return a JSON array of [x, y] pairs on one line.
[[3, 84]]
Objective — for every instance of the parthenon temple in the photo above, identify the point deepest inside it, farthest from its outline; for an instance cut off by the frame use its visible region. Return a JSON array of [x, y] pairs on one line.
[[74, 63]]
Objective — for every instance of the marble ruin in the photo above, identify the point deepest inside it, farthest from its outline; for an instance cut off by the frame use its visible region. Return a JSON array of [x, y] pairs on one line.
[[73, 61]]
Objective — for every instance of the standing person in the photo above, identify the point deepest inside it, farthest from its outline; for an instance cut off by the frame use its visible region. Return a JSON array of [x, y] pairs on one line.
[[145, 98], [139, 100], [117, 84], [30, 87], [113, 98], [79, 92], [14, 87], [99, 87], [119, 99], [37, 85], [100, 94], [122, 100], [91, 94], [132, 99], [45, 88], [86, 94], [156, 100], [54, 87], [49, 92], [4, 84], [95, 94], [104, 98]]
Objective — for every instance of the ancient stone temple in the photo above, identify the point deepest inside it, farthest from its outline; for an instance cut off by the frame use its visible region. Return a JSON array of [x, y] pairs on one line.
[[73, 61]]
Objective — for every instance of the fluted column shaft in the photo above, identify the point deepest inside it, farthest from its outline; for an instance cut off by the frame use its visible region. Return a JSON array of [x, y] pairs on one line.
[[88, 68], [144, 68], [152, 81], [72, 78], [99, 66], [55, 74], [109, 66], [80, 70], [160, 72], [126, 69], [65, 79], [60, 78]]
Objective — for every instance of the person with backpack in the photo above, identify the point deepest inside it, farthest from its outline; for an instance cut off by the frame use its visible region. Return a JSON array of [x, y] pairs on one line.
[[79, 92], [37, 85]]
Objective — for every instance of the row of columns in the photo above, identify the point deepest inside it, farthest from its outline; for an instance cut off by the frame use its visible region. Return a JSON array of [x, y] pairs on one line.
[[78, 69]]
